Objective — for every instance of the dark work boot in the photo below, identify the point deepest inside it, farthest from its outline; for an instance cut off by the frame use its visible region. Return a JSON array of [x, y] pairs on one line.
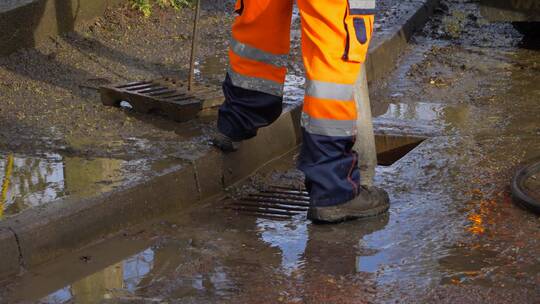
[[224, 143], [370, 202]]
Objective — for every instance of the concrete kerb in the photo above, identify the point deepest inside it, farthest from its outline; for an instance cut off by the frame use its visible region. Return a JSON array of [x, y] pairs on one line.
[[9, 252], [38, 235], [44, 233]]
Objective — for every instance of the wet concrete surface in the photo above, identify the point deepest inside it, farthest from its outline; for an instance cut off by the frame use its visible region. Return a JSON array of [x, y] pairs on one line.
[[453, 234]]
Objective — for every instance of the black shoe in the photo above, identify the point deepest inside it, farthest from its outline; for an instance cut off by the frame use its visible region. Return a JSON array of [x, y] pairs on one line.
[[224, 143], [370, 202]]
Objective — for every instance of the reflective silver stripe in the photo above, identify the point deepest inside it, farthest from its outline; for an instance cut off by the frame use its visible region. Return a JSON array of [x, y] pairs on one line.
[[252, 53], [328, 127], [329, 90], [256, 84], [362, 4]]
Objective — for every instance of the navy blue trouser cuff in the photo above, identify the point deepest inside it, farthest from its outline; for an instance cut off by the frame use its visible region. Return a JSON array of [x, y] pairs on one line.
[[330, 166], [245, 111]]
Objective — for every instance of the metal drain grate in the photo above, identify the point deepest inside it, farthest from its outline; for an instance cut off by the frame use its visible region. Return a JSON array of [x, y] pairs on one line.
[[166, 96], [277, 202]]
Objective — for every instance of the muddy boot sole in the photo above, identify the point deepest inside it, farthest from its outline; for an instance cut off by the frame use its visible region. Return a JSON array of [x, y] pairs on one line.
[[337, 214]]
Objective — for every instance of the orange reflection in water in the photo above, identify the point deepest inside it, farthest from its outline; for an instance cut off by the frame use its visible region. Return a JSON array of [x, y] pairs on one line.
[[477, 226], [481, 217]]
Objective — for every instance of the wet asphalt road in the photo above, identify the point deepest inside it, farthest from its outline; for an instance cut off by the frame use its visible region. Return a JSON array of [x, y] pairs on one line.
[[453, 234]]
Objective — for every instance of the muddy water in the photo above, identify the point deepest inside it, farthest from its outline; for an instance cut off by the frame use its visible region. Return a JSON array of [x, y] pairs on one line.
[[453, 234], [34, 181]]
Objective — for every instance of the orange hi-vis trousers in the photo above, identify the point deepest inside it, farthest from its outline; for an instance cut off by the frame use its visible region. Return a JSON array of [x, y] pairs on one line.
[[335, 41]]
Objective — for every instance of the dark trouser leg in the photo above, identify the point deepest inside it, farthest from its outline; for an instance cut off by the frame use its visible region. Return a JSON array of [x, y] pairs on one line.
[[330, 167], [245, 111], [258, 58]]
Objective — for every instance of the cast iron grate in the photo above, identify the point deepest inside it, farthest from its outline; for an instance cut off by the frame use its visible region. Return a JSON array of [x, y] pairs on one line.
[[276, 202], [167, 96]]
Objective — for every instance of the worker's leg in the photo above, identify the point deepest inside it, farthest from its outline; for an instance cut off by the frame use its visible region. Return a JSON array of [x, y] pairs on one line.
[[335, 39], [258, 55]]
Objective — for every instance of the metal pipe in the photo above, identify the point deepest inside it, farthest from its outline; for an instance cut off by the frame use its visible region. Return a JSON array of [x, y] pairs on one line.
[[191, 78], [365, 138]]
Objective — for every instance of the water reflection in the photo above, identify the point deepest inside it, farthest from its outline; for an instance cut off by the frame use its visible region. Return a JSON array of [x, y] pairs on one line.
[[455, 115], [30, 181], [115, 281], [371, 263], [288, 260], [5, 183], [291, 239]]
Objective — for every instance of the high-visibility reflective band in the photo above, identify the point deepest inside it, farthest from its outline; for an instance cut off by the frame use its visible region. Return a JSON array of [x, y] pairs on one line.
[[328, 127], [256, 84], [329, 90], [252, 53], [362, 7]]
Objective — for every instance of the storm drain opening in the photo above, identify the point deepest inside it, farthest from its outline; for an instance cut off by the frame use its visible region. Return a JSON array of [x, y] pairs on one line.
[[286, 202], [165, 96], [392, 148], [275, 202]]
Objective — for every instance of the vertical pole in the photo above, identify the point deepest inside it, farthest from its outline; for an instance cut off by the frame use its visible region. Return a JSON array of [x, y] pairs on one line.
[[365, 138], [194, 37]]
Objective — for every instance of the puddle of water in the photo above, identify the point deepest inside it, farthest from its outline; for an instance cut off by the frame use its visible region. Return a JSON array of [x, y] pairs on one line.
[[118, 280], [462, 263], [212, 255], [449, 116], [31, 181], [288, 251], [371, 263], [291, 240]]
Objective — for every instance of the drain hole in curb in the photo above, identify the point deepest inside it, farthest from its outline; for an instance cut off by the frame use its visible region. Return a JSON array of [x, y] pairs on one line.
[[276, 202], [391, 148]]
